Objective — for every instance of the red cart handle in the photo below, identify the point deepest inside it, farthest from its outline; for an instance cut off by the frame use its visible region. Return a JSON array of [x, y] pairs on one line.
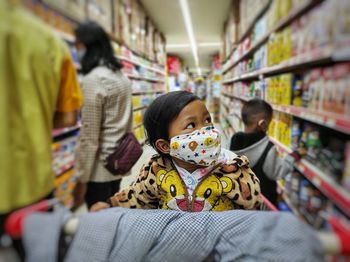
[[14, 222], [343, 232]]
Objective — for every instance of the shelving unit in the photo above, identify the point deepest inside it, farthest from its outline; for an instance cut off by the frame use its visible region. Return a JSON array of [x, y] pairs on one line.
[[141, 64], [140, 108], [243, 72], [137, 126], [318, 57], [148, 92], [293, 14], [330, 188], [145, 54], [145, 78], [56, 133], [338, 122]]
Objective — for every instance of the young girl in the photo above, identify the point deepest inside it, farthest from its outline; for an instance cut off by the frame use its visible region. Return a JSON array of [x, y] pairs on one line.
[[191, 172]]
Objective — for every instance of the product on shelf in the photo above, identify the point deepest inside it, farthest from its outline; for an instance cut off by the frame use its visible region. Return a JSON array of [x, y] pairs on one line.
[[64, 186], [307, 200], [305, 37], [100, 11], [64, 154]]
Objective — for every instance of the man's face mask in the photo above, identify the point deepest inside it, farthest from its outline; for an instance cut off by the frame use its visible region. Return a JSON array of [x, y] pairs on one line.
[[201, 147]]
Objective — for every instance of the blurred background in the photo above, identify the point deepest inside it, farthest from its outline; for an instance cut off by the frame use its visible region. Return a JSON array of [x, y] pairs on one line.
[[294, 54]]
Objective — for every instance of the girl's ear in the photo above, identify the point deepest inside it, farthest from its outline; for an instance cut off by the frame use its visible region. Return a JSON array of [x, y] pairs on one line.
[[163, 146]]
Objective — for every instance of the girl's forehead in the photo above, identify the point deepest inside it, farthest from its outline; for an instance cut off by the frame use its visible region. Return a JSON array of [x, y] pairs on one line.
[[194, 109]]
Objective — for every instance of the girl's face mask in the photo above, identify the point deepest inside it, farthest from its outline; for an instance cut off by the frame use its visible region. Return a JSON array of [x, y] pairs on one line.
[[201, 147]]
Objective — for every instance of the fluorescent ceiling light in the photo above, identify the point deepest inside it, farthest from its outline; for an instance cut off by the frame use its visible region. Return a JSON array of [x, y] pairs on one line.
[[188, 23], [205, 44], [213, 44]]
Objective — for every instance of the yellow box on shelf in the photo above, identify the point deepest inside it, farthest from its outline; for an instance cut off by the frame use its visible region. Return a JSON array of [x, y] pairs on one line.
[[138, 118], [136, 101]]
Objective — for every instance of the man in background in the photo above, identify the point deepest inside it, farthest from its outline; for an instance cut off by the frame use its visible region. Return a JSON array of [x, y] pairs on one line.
[[39, 91]]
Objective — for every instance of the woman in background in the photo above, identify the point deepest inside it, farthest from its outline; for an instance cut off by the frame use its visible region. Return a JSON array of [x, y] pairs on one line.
[[106, 113]]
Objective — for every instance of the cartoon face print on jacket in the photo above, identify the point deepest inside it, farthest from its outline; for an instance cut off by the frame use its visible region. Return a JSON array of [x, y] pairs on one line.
[[175, 196], [209, 195]]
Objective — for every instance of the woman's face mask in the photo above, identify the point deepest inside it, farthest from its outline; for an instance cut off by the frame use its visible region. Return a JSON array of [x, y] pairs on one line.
[[80, 54], [201, 147]]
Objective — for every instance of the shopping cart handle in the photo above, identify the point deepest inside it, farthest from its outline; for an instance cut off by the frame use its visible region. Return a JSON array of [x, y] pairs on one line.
[[14, 222], [342, 230], [268, 203]]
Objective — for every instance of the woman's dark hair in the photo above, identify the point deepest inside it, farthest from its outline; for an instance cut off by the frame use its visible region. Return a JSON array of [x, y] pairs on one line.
[[99, 50], [162, 111], [254, 107]]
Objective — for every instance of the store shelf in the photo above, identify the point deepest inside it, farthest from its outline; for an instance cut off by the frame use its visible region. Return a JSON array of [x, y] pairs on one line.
[[148, 92], [68, 37], [293, 15], [150, 79], [322, 181], [242, 98], [289, 203], [139, 108], [317, 57], [334, 121], [249, 28], [142, 65], [63, 131], [65, 168], [137, 126], [292, 206], [143, 142]]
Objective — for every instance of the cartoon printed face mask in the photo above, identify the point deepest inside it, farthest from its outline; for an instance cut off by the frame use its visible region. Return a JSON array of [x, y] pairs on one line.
[[201, 147]]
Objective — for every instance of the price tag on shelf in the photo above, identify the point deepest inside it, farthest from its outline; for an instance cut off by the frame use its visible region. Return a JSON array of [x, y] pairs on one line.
[[330, 122]]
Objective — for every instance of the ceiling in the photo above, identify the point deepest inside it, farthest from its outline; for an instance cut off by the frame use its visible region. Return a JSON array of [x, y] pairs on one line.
[[208, 17]]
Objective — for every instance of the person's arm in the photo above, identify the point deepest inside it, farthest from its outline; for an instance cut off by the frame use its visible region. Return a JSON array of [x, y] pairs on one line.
[[92, 115], [276, 167], [143, 193], [245, 191], [65, 119], [69, 98]]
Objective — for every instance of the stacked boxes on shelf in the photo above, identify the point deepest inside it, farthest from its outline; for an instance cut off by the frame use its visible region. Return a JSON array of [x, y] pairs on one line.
[[312, 35], [125, 20], [63, 154], [291, 58], [63, 150]]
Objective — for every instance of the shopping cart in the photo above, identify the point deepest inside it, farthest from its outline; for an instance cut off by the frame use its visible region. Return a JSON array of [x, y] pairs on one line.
[[267, 205], [14, 224]]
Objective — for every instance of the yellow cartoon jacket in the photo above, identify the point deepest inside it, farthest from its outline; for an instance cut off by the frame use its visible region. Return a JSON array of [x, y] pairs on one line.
[[229, 186]]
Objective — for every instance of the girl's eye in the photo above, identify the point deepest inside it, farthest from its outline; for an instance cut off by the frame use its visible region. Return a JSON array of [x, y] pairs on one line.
[[190, 126]]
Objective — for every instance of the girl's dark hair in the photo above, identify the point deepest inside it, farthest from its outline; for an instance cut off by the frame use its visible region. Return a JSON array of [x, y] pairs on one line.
[[162, 111], [254, 107], [99, 50]]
